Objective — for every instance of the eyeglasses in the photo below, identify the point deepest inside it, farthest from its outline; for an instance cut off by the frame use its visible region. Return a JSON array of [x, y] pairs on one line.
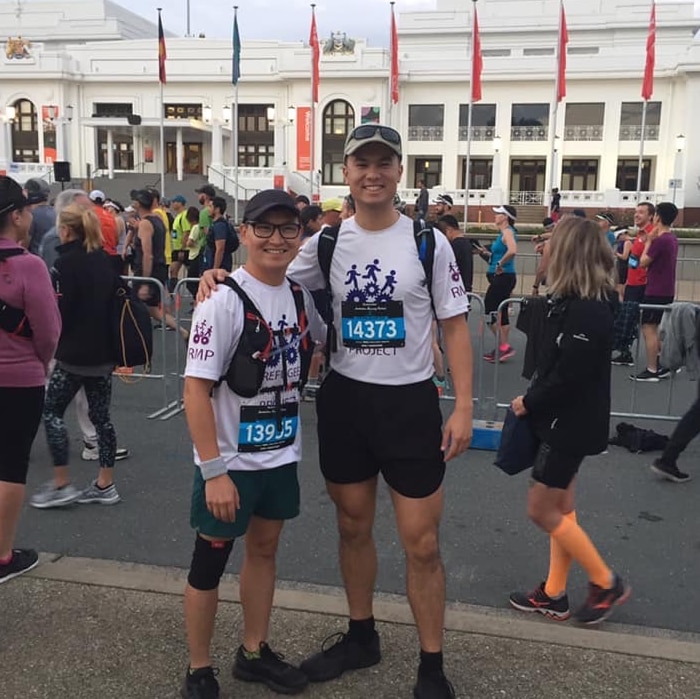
[[288, 231], [362, 133]]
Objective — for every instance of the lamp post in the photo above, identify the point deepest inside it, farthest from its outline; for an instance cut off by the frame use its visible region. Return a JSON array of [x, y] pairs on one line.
[[680, 147]]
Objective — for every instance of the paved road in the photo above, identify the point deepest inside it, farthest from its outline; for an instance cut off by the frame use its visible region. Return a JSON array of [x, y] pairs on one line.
[[647, 529]]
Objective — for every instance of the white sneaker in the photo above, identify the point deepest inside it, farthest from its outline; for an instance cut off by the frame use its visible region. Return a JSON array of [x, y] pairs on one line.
[[93, 494], [49, 495], [91, 452]]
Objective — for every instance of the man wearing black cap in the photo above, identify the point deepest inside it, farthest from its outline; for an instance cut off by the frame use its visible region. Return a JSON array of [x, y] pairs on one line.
[[43, 215], [443, 205], [378, 409], [246, 449]]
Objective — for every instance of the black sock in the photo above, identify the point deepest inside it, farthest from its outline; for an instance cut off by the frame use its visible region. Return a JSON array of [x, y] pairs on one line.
[[430, 662], [361, 630]]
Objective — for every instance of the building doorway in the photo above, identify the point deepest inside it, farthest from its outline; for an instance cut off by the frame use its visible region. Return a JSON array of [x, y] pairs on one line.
[[191, 159], [527, 181]]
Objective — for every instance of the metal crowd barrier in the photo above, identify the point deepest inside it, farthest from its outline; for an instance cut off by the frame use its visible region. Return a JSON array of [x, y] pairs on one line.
[[177, 406], [163, 375], [632, 414]]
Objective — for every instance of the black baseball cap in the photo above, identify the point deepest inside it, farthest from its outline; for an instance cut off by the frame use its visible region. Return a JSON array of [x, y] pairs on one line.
[[444, 199], [267, 200], [11, 195], [206, 189], [606, 216], [37, 190]]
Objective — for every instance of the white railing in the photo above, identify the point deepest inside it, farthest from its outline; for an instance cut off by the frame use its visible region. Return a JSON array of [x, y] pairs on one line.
[[573, 198], [526, 198], [426, 133], [634, 133], [529, 133], [583, 133], [479, 133]]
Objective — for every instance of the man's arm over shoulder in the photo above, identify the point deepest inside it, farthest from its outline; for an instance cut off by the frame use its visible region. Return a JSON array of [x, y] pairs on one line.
[[304, 268]]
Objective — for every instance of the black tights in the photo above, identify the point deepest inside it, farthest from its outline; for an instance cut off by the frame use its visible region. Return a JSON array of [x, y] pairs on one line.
[[686, 430]]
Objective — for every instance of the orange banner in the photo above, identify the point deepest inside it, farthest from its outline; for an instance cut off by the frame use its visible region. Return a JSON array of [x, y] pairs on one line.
[[303, 139]]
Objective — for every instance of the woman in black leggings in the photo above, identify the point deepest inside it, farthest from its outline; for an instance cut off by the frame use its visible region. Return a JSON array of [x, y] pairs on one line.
[[29, 328], [85, 281]]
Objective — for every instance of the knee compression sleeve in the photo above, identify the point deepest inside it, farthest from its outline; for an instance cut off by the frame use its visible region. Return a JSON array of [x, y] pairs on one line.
[[208, 563]]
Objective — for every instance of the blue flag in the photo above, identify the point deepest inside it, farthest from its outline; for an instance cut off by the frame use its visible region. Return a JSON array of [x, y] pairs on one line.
[[236, 68]]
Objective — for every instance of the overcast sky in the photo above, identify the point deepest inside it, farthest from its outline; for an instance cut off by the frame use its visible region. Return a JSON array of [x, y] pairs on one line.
[[264, 19]]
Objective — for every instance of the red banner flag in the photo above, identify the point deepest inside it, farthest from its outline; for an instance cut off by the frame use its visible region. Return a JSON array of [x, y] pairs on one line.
[[563, 41], [162, 55], [315, 57], [477, 60], [648, 84], [394, 58]]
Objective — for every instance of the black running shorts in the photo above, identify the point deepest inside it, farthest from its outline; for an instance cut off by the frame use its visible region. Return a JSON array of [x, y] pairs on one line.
[[652, 316], [365, 429], [554, 468]]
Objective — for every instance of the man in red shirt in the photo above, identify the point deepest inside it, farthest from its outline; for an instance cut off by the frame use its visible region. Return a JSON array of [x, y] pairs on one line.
[[108, 225], [636, 274]]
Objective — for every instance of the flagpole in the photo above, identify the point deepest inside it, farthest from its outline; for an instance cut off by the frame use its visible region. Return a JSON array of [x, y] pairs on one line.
[[312, 126], [640, 166], [234, 134], [162, 125], [470, 108], [390, 100], [554, 115]]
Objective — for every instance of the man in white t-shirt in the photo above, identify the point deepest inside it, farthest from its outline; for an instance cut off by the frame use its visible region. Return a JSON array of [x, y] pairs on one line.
[[378, 409], [246, 449]]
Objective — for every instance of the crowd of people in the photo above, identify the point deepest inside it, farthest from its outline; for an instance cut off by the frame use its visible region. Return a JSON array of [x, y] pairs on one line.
[[358, 286]]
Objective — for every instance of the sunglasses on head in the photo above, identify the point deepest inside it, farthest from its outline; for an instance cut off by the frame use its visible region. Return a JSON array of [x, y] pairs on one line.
[[362, 133]]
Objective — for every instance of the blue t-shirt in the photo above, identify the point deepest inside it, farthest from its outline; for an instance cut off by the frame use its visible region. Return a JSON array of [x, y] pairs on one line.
[[218, 230], [498, 251]]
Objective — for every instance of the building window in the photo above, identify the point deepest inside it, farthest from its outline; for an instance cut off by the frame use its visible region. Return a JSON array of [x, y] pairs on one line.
[[495, 53], [256, 155], [112, 109], [584, 121], [627, 174], [426, 122], [483, 122], [583, 50], [579, 175], [631, 121], [429, 170], [122, 147], [25, 134], [183, 111], [529, 122], [527, 182], [338, 122], [256, 136], [481, 173], [538, 52]]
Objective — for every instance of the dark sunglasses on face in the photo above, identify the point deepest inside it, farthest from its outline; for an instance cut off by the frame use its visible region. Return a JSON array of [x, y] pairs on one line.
[[288, 231], [366, 131]]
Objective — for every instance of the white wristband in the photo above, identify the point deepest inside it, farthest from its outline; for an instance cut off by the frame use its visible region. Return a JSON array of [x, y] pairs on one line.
[[213, 468]]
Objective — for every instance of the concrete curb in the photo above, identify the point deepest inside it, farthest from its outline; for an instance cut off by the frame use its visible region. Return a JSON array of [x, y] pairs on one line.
[[613, 638]]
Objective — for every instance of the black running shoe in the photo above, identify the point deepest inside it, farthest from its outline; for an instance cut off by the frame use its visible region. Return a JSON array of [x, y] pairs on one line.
[[201, 684], [539, 601], [646, 375], [601, 602], [339, 653], [270, 669], [433, 685], [669, 471], [22, 560], [623, 359]]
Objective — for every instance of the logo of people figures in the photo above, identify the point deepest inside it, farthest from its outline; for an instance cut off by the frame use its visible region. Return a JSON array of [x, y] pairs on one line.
[[202, 333], [286, 340], [371, 284]]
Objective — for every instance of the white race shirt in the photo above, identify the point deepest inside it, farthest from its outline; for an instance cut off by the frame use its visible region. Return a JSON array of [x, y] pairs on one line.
[[381, 305], [252, 433]]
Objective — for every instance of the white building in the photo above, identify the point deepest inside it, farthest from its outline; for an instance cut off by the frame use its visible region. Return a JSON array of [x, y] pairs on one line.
[[82, 86]]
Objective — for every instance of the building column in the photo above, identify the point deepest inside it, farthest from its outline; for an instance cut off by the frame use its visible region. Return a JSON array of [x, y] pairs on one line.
[[5, 145], [217, 146], [179, 154], [110, 154], [60, 139]]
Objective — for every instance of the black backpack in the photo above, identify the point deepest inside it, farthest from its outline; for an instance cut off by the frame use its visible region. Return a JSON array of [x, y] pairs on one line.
[[132, 330], [232, 241], [13, 320], [246, 372], [423, 236], [638, 440]]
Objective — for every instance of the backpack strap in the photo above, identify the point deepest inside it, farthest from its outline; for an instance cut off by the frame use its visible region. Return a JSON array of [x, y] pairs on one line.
[[327, 240], [424, 236], [12, 252], [306, 346], [248, 305]]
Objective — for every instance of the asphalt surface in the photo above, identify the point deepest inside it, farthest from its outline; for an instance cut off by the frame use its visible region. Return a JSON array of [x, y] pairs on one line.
[[647, 529]]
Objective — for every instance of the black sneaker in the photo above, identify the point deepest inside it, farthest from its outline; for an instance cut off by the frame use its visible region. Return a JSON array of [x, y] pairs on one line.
[[339, 653], [663, 372], [433, 685], [601, 602], [539, 601], [201, 684], [623, 359], [271, 670], [646, 375], [669, 471], [22, 560]]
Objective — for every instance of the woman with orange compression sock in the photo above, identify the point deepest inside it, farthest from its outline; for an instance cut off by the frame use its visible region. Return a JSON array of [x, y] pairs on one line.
[[568, 405]]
